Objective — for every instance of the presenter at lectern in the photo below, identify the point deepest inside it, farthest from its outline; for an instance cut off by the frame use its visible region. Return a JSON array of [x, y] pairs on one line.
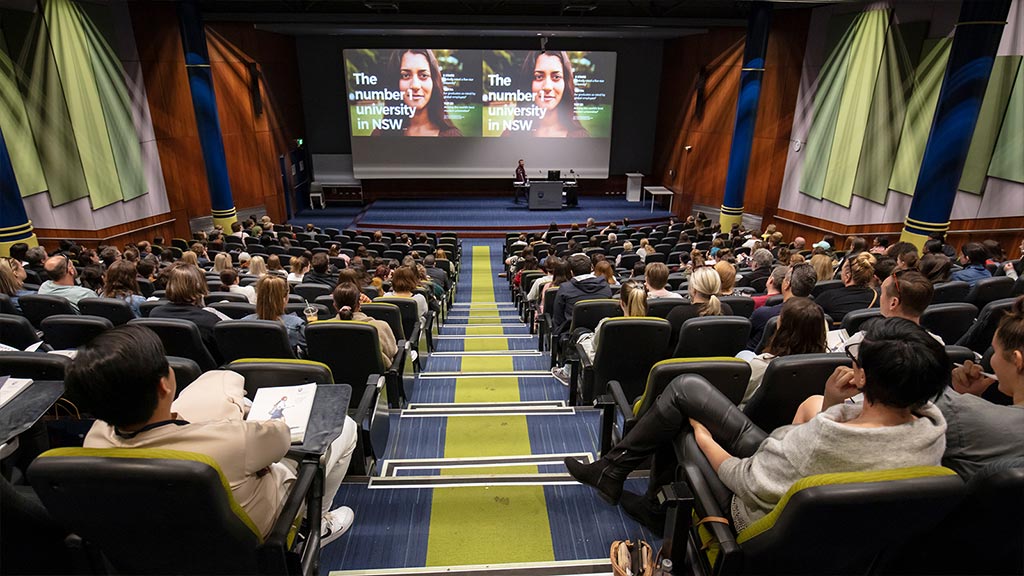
[[521, 172], [521, 182]]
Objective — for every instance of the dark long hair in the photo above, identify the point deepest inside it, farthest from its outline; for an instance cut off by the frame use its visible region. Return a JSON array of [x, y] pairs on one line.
[[435, 106], [567, 105], [801, 329]]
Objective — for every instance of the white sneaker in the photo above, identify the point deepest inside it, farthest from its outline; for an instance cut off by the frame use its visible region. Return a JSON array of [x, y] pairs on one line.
[[335, 523], [561, 374]]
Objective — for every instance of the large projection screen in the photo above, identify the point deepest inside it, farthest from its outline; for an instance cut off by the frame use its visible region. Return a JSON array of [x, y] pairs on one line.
[[438, 113]]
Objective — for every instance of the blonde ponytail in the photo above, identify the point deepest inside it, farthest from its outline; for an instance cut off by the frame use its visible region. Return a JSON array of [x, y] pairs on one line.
[[713, 307]]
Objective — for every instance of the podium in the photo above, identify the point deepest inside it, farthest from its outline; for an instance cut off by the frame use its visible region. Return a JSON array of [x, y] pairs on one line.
[[546, 195], [633, 187]]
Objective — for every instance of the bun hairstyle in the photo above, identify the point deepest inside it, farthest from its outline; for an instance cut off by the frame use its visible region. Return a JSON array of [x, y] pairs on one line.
[[706, 282], [862, 268], [346, 300]]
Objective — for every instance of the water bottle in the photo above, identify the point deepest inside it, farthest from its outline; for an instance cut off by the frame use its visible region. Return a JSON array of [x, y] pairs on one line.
[[664, 569]]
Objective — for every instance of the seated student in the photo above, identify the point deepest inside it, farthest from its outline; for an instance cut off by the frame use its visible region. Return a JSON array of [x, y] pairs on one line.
[[801, 330], [898, 368], [632, 300], [229, 282], [760, 267], [62, 273], [186, 289], [135, 407], [122, 282], [271, 305], [981, 432], [403, 281], [903, 294], [656, 277], [347, 299], [856, 293], [321, 273], [583, 286], [704, 286], [772, 287], [973, 257]]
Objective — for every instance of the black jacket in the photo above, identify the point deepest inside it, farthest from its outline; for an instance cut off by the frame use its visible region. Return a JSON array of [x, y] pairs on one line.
[[572, 292], [439, 276], [763, 272]]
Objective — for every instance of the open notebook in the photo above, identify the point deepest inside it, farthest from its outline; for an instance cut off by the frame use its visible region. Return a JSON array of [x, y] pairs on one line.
[[11, 387], [289, 404]]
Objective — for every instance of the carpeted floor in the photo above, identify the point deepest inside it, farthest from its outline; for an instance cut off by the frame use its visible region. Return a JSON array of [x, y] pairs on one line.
[[482, 524]]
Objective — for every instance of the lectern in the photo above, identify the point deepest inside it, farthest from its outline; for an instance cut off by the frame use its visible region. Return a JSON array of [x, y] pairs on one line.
[[633, 188], [546, 195]]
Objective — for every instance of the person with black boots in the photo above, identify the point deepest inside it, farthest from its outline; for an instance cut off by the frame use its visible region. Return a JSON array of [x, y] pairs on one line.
[[898, 367]]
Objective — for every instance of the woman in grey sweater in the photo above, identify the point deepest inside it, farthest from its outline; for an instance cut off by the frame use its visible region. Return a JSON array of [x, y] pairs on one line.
[[898, 367]]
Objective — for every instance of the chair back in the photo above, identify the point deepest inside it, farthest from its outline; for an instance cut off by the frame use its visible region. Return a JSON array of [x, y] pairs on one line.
[[146, 307], [310, 291], [988, 290], [6, 306], [824, 286], [759, 284], [269, 372], [68, 331], [362, 357], [626, 351], [386, 312], [116, 310], [234, 310], [180, 338], [221, 296], [589, 313], [979, 336], [628, 261], [34, 365], [660, 307], [991, 493], [186, 371], [952, 291], [96, 493], [36, 307], [740, 305], [729, 375], [788, 381], [17, 331], [712, 336], [796, 537], [410, 315], [959, 354], [252, 339], [950, 321], [854, 319]]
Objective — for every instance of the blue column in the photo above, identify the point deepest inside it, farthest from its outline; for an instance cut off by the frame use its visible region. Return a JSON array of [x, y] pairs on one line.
[[754, 51], [204, 102], [975, 42], [14, 223]]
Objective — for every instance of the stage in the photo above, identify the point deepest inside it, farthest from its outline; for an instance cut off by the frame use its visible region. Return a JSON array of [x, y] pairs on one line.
[[478, 217]]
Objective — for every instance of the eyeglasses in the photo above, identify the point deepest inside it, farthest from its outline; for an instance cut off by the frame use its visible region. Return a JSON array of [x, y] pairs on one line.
[[896, 283], [853, 352]]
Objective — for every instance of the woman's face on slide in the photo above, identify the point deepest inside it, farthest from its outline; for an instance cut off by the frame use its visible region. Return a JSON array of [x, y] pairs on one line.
[[414, 81], [548, 81]]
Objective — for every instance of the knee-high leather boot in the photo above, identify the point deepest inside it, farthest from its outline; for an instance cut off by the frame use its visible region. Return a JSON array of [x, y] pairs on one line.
[[608, 474]]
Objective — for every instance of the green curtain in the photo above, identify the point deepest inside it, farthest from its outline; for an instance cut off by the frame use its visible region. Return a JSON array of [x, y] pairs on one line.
[[1008, 155], [14, 122], [920, 110], [990, 119], [893, 87]]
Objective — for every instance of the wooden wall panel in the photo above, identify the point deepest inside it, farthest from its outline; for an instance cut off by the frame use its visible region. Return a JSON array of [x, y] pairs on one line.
[[170, 225], [713, 61], [1007, 231]]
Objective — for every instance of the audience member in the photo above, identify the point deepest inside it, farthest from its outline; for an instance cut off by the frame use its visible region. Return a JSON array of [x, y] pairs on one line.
[[62, 273], [135, 408], [122, 282], [936, 266], [583, 286], [704, 286], [257, 267], [773, 287], [760, 267], [800, 330], [632, 300], [904, 294], [798, 281], [727, 274], [655, 278], [321, 273], [973, 257], [186, 289], [271, 302], [229, 282], [404, 282], [12, 280], [856, 293], [222, 262], [299, 269], [347, 300], [604, 270]]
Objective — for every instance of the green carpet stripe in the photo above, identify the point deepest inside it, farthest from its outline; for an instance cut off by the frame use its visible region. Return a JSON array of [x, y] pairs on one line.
[[487, 525], [485, 344]]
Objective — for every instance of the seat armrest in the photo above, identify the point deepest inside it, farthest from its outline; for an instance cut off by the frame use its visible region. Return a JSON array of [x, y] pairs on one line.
[[622, 405], [368, 400], [277, 540], [704, 484]]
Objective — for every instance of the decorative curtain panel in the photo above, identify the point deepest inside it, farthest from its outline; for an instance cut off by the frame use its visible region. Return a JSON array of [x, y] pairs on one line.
[[72, 88]]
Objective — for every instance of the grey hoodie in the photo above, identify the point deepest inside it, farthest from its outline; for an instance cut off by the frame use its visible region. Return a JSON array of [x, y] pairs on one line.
[[826, 445]]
